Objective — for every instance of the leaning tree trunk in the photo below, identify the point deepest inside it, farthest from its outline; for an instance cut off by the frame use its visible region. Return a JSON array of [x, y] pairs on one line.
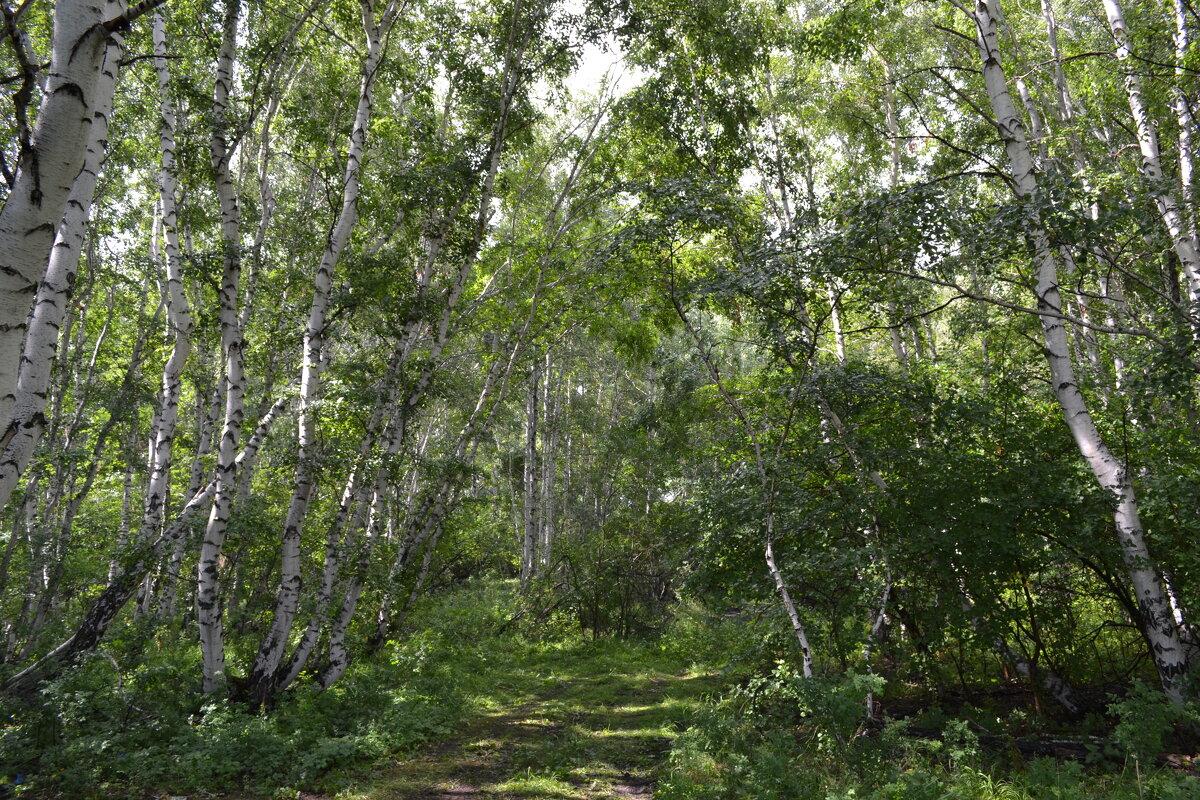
[[54, 292], [266, 672], [426, 519], [50, 159], [1147, 134], [1158, 624], [134, 566], [767, 484], [347, 520], [208, 588], [338, 656]]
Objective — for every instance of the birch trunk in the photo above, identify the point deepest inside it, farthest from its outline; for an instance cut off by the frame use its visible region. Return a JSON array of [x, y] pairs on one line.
[[549, 467], [1062, 692], [47, 168], [179, 324], [384, 614], [346, 521], [422, 523], [207, 410], [786, 597], [1183, 118], [134, 566], [1168, 209], [208, 587], [338, 656], [265, 673], [28, 420], [768, 489], [329, 571], [893, 126], [422, 576], [1158, 625], [529, 511]]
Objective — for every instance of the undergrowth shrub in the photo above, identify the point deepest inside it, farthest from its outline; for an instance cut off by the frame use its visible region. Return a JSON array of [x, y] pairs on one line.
[[780, 736], [1148, 723], [699, 635], [107, 725]]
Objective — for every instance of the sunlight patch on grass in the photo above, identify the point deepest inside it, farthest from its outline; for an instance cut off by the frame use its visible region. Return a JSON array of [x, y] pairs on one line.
[[634, 733], [532, 785], [486, 743], [643, 708]]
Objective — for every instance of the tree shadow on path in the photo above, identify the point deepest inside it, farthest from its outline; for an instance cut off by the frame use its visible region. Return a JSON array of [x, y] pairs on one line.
[[585, 723]]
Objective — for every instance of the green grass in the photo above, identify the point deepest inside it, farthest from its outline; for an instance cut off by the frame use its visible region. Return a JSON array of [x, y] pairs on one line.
[[454, 711], [566, 720]]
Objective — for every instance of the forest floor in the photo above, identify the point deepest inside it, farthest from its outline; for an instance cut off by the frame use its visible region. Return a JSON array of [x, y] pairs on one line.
[[578, 722]]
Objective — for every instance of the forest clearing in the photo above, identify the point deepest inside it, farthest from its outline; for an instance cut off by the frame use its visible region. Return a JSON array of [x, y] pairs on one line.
[[581, 399]]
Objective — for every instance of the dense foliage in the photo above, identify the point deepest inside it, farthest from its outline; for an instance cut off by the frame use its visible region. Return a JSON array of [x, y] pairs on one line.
[[859, 336]]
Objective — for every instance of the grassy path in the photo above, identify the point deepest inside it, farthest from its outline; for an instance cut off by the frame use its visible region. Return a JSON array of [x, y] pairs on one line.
[[578, 722]]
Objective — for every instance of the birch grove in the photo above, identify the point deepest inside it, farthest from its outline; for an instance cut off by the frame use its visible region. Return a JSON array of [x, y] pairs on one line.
[[871, 330]]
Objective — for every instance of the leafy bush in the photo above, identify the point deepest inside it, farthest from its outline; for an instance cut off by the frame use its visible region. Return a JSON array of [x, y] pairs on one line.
[[779, 736], [100, 725], [1146, 718], [697, 634]]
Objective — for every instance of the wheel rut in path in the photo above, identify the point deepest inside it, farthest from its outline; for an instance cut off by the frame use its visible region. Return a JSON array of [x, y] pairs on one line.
[[579, 731]]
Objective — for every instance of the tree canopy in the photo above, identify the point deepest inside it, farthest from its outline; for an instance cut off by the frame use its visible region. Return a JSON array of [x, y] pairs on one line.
[[873, 322]]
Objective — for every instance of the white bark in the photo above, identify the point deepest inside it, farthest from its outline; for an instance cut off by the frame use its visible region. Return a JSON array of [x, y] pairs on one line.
[[893, 126], [27, 419], [1158, 625], [384, 615], [427, 519], [338, 655], [1062, 692], [768, 489], [207, 410], [529, 511], [179, 324], [208, 591], [1168, 209], [415, 593], [549, 467], [46, 175], [1183, 118], [786, 598], [265, 673], [329, 571], [835, 317], [348, 518], [104, 609], [126, 511]]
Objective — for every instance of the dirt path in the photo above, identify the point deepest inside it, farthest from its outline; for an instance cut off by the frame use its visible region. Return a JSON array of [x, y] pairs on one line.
[[567, 726]]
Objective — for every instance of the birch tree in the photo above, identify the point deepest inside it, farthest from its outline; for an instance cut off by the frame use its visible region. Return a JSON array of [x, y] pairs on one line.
[[51, 155], [1161, 630], [1147, 135], [267, 664], [54, 291]]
